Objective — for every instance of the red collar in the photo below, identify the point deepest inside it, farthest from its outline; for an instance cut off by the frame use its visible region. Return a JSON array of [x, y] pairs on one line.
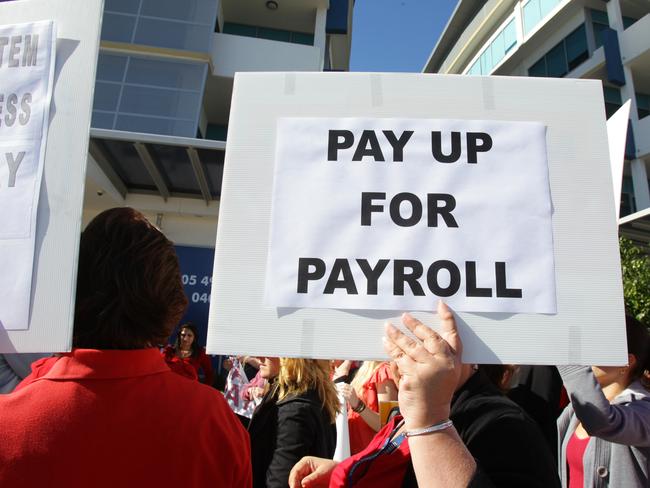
[[106, 364]]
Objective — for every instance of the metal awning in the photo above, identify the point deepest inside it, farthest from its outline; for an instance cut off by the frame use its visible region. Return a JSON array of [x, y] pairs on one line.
[[636, 227], [154, 164]]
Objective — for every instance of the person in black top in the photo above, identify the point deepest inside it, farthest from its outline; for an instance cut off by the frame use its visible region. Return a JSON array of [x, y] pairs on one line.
[[295, 418]]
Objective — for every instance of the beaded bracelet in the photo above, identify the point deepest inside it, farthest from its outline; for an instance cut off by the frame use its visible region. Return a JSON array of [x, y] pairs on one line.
[[360, 407], [445, 424]]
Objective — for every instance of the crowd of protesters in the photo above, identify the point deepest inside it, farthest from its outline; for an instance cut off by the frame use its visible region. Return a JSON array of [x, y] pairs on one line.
[[120, 410]]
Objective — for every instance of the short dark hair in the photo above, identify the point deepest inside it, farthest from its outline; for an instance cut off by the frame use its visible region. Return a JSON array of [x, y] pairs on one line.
[[638, 343], [129, 290]]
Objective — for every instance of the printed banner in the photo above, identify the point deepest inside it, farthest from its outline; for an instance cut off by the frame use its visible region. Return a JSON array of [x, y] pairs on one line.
[[27, 55], [390, 213]]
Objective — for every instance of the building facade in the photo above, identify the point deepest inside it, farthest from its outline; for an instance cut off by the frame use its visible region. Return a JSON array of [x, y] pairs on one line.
[[162, 96], [606, 40], [162, 102]]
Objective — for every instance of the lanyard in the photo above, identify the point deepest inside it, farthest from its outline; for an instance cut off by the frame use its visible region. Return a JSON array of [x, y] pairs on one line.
[[361, 467]]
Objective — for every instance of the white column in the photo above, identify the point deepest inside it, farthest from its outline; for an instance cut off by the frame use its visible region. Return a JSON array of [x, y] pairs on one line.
[[640, 184], [615, 15], [319, 34]]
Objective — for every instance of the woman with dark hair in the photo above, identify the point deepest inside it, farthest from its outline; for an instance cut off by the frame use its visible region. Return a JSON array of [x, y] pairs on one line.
[[186, 357], [111, 413], [605, 432]]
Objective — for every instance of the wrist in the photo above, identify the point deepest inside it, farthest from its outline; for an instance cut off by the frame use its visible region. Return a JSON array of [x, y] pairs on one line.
[[360, 407], [423, 421]]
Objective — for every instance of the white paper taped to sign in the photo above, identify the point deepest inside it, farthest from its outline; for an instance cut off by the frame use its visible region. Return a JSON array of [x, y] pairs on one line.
[[27, 53], [390, 213]]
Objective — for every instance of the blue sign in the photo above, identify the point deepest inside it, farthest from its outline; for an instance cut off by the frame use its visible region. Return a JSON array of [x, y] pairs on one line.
[[196, 273]]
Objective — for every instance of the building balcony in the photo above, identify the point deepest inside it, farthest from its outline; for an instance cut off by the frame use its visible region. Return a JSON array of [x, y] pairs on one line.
[[231, 53], [635, 40]]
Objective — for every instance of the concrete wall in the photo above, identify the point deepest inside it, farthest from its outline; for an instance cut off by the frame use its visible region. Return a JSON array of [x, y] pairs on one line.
[[231, 53]]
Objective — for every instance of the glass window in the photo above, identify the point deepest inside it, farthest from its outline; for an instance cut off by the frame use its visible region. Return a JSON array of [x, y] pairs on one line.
[[628, 21], [124, 6], [173, 35], [117, 27], [510, 35], [107, 96], [160, 102], [642, 105], [152, 125], [111, 67], [556, 65], [216, 132], [600, 17], [576, 47], [274, 34], [535, 11], [240, 29], [302, 38], [538, 69], [196, 11], [102, 120], [498, 50], [612, 95], [545, 6], [175, 24], [157, 96], [532, 15], [170, 74]]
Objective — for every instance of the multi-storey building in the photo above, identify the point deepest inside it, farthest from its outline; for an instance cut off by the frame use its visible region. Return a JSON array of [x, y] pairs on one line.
[[162, 101], [606, 40], [162, 96]]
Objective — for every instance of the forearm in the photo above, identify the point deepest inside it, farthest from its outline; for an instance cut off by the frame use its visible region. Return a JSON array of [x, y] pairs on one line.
[[371, 418], [441, 460], [625, 424]]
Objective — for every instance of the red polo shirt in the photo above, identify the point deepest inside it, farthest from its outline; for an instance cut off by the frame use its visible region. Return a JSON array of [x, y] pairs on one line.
[[118, 418]]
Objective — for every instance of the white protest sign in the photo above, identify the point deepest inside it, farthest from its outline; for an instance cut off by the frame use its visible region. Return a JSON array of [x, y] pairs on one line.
[[587, 326], [54, 223], [390, 214], [27, 56], [617, 137]]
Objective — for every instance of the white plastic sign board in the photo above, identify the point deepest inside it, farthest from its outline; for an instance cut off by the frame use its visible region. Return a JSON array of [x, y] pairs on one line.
[[617, 137], [57, 224], [433, 186], [27, 54], [246, 316]]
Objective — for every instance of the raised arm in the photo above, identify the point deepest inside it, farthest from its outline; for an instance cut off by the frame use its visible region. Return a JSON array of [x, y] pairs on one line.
[[430, 371], [626, 423]]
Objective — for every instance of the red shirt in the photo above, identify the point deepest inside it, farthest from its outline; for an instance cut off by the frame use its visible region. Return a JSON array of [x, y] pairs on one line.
[[118, 418], [575, 451], [189, 367], [360, 432], [378, 470]]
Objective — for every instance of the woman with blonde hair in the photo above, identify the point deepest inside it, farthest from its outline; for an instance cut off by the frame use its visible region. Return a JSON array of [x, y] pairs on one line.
[[295, 419], [372, 384]]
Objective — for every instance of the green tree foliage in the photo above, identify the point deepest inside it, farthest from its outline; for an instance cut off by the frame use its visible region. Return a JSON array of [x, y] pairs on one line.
[[636, 280]]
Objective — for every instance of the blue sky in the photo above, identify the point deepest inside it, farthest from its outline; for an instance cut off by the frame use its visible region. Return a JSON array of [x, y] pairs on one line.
[[396, 35]]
